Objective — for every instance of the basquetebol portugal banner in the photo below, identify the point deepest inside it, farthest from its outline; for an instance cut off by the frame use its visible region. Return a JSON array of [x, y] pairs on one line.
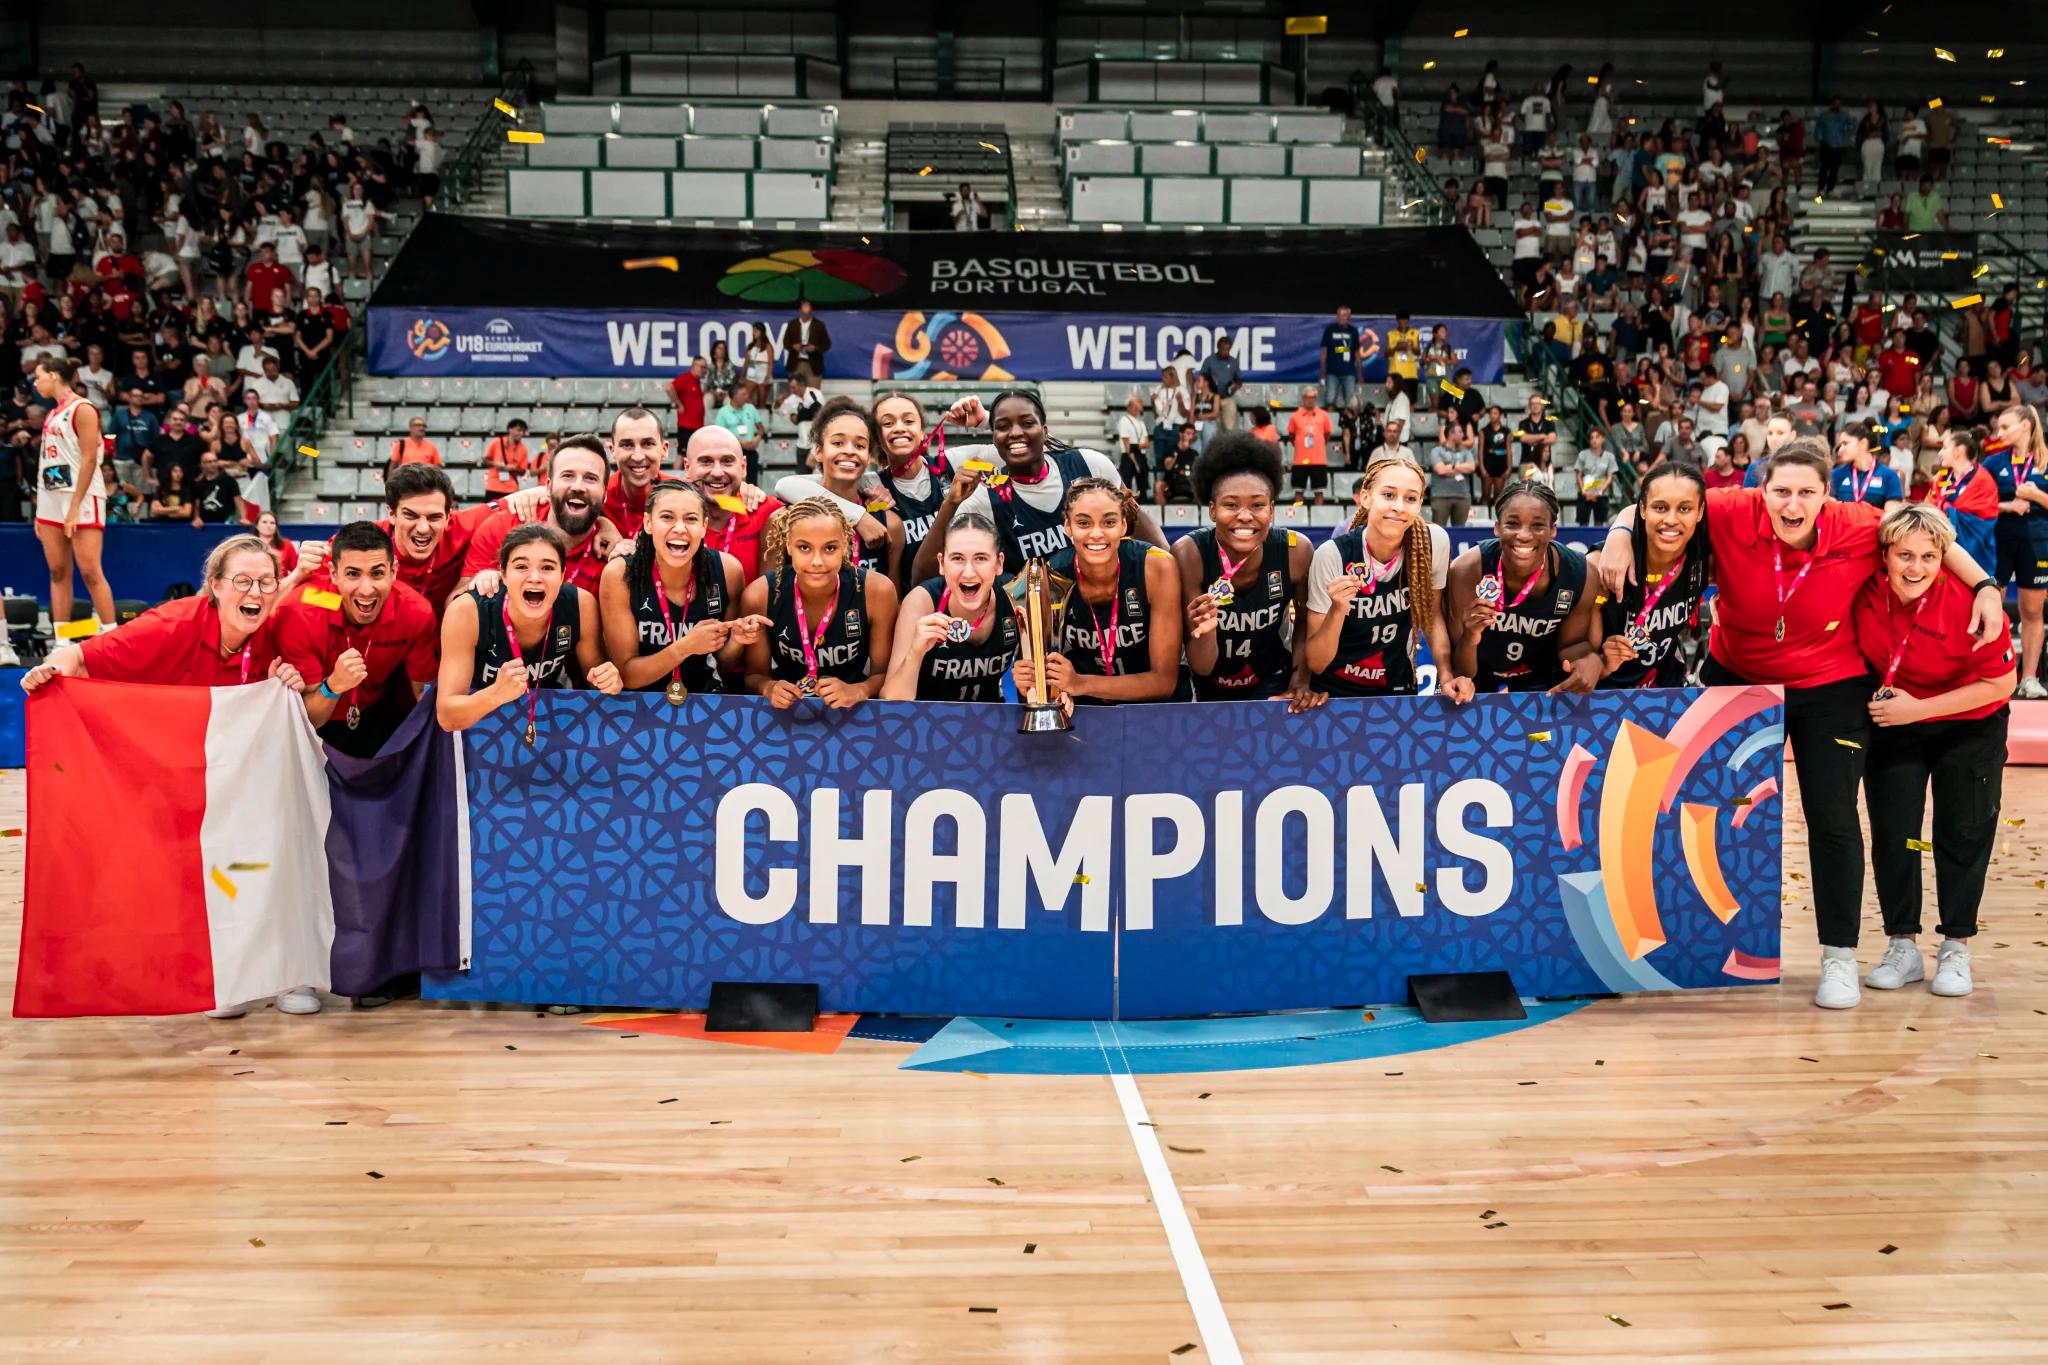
[[594, 301]]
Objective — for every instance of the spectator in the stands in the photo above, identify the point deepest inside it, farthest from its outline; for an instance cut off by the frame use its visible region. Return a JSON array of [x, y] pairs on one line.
[[133, 427], [1393, 444], [1134, 442], [805, 342], [1528, 247], [143, 379], [412, 448], [216, 497], [1404, 359], [1172, 409], [738, 415], [1224, 376], [1452, 463], [259, 430], [1341, 361], [1535, 434], [720, 373], [202, 392], [359, 229], [798, 407], [427, 165], [1925, 209], [176, 445], [759, 361], [687, 389], [277, 390], [17, 265], [312, 334], [1308, 430], [174, 501], [507, 462], [1594, 469], [319, 273], [969, 213], [265, 276]]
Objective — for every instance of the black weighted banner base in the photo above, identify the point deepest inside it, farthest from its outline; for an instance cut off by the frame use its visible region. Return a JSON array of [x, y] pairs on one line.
[[1465, 997], [762, 1007]]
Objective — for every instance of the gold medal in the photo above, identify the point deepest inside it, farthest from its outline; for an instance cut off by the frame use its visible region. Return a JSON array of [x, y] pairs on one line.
[[677, 694], [355, 715], [529, 734]]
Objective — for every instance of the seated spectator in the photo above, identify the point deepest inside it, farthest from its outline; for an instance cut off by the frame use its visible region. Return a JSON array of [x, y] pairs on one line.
[[275, 391], [174, 503], [259, 430], [177, 445]]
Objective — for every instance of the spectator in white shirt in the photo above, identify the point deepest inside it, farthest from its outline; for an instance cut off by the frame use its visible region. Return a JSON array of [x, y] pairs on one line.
[[275, 391], [358, 225], [17, 265], [427, 173], [969, 213], [290, 240], [798, 407], [96, 381], [1528, 233], [320, 273], [259, 428], [1133, 440], [1777, 269], [1535, 120], [1586, 164]]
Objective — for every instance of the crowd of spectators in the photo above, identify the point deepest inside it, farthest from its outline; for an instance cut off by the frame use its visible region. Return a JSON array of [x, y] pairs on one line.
[[1679, 238], [196, 272]]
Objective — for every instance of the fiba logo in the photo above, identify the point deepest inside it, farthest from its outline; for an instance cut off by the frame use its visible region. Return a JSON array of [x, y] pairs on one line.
[[428, 339], [498, 327]]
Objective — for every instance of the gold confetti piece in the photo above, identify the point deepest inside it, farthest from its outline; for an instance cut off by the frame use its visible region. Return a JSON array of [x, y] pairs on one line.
[[1980, 272], [1601, 600], [1540, 736], [1421, 155], [78, 630], [1653, 577], [10, 834], [1967, 301], [1461, 33], [1617, 1321], [1743, 800], [1081, 879], [1832, 624], [925, 171], [1990, 54], [652, 263], [1944, 54], [248, 867], [504, 108], [524, 136], [1452, 389], [1919, 845], [879, 506], [256, 1241], [2015, 820], [730, 503], [1989, 99], [309, 452], [37, 107], [314, 597], [1429, 65], [1422, 886], [980, 466], [220, 879], [1847, 743]]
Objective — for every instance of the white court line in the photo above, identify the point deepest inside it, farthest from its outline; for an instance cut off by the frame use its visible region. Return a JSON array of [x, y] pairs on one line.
[[1217, 1337]]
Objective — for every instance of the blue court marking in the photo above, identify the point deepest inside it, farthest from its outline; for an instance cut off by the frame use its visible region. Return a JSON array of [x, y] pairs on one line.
[[1071, 1047], [898, 1028]]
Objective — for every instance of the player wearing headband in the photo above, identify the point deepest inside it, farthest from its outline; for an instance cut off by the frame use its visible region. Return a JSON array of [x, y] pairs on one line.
[[1121, 640], [575, 482], [956, 635], [536, 632], [669, 607], [715, 463], [1941, 711], [1642, 632], [1375, 590], [1525, 619], [372, 642], [831, 622], [1026, 497], [1239, 576]]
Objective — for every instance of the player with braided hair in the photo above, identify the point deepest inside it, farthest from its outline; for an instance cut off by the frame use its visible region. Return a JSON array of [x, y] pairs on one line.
[[1374, 592]]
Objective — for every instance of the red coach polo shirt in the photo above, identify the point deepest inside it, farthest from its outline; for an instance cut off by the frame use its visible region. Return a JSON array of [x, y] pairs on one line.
[[583, 569], [404, 636], [1939, 654], [435, 576], [178, 643], [1820, 644], [741, 537]]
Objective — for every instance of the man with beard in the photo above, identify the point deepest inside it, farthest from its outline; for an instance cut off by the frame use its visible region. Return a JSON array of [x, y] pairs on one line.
[[374, 653], [716, 463], [576, 480], [431, 538]]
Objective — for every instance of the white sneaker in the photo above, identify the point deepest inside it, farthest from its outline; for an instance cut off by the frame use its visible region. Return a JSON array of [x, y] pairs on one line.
[[8, 658], [1902, 966], [1952, 968], [2031, 690], [1838, 989], [228, 1012], [298, 1000]]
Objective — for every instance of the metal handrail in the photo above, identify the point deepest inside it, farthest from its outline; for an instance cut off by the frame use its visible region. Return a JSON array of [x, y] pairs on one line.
[[464, 173], [324, 394], [1407, 161]]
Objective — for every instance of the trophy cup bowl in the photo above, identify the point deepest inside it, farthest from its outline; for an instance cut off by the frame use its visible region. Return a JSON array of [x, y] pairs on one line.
[[1040, 598]]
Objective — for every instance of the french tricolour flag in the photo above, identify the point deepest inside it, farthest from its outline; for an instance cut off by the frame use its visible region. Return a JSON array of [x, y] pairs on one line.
[[191, 848]]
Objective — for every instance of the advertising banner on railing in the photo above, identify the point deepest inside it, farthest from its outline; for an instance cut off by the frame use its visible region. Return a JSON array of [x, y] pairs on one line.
[[944, 344], [1922, 260], [1160, 860]]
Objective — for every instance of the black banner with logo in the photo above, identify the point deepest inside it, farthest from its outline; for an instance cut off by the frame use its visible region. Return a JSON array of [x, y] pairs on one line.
[[1945, 261], [452, 262]]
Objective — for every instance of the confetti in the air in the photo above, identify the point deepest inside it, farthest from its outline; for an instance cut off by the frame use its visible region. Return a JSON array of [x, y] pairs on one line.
[[1944, 54], [1919, 845], [652, 263], [524, 136], [309, 452], [1967, 301]]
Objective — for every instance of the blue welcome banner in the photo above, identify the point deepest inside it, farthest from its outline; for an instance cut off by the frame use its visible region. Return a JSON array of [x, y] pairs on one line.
[[882, 345], [1163, 860]]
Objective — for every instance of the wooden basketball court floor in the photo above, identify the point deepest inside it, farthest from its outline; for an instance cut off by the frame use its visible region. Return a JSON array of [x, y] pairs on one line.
[[1725, 1174]]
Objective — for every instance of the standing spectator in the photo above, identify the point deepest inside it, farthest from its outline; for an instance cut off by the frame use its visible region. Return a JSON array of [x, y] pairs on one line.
[[720, 374], [1172, 409], [1940, 141], [1222, 372], [133, 427], [1912, 142], [1528, 232], [312, 334], [507, 462], [1712, 91], [1595, 468], [1133, 440], [427, 167], [1309, 428], [265, 277], [1204, 404], [1494, 151], [216, 497], [1925, 211], [1338, 372], [688, 390], [290, 245], [1832, 129], [1870, 137], [969, 213], [358, 229], [1535, 121], [804, 344], [17, 266], [798, 407], [1451, 466], [1404, 357], [1586, 165], [738, 415], [760, 360], [412, 448], [96, 381]]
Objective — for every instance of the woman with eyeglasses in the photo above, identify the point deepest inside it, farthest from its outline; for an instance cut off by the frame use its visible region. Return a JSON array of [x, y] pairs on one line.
[[219, 637]]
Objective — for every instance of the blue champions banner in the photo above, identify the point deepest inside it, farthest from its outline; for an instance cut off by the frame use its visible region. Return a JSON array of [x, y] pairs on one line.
[[883, 345], [926, 859]]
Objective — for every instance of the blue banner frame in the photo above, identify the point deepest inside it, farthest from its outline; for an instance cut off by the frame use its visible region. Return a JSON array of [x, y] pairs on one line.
[[640, 853]]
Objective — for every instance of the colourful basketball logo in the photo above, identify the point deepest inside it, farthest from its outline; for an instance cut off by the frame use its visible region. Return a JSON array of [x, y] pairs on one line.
[[429, 339], [825, 275], [944, 346]]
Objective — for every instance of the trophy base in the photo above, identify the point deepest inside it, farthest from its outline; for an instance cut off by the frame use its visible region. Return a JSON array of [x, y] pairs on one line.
[[1044, 720]]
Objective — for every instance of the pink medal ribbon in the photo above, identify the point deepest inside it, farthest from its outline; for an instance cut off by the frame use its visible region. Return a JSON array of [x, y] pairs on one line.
[[668, 623], [1858, 489], [1639, 629], [1223, 592], [1499, 577], [1375, 573], [1785, 593], [936, 467], [809, 641], [1105, 642], [532, 681], [1885, 691]]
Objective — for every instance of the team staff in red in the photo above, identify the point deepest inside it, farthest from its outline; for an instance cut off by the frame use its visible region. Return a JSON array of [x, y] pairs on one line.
[[638, 452], [374, 651], [1941, 708], [430, 537], [1788, 561], [715, 463], [575, 487], [220, 637]]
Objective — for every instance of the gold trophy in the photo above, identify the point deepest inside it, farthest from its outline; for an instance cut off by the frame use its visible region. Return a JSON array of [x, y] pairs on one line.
[[1040, 597]]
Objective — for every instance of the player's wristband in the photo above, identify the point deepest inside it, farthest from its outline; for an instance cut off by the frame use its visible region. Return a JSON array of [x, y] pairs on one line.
[[1990, 583], [328, 692]]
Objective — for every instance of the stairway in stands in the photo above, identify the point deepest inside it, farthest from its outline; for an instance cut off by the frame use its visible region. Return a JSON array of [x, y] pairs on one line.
[[1041, 202]]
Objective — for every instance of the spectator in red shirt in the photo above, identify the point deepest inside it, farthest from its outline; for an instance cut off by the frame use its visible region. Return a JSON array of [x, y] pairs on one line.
[[118, 263], [688, 388], [265, 276], [1788, 561], [575, 485], [1898, 369], [1941, 710], [716, 464], [1866, 327], [374, 654]]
